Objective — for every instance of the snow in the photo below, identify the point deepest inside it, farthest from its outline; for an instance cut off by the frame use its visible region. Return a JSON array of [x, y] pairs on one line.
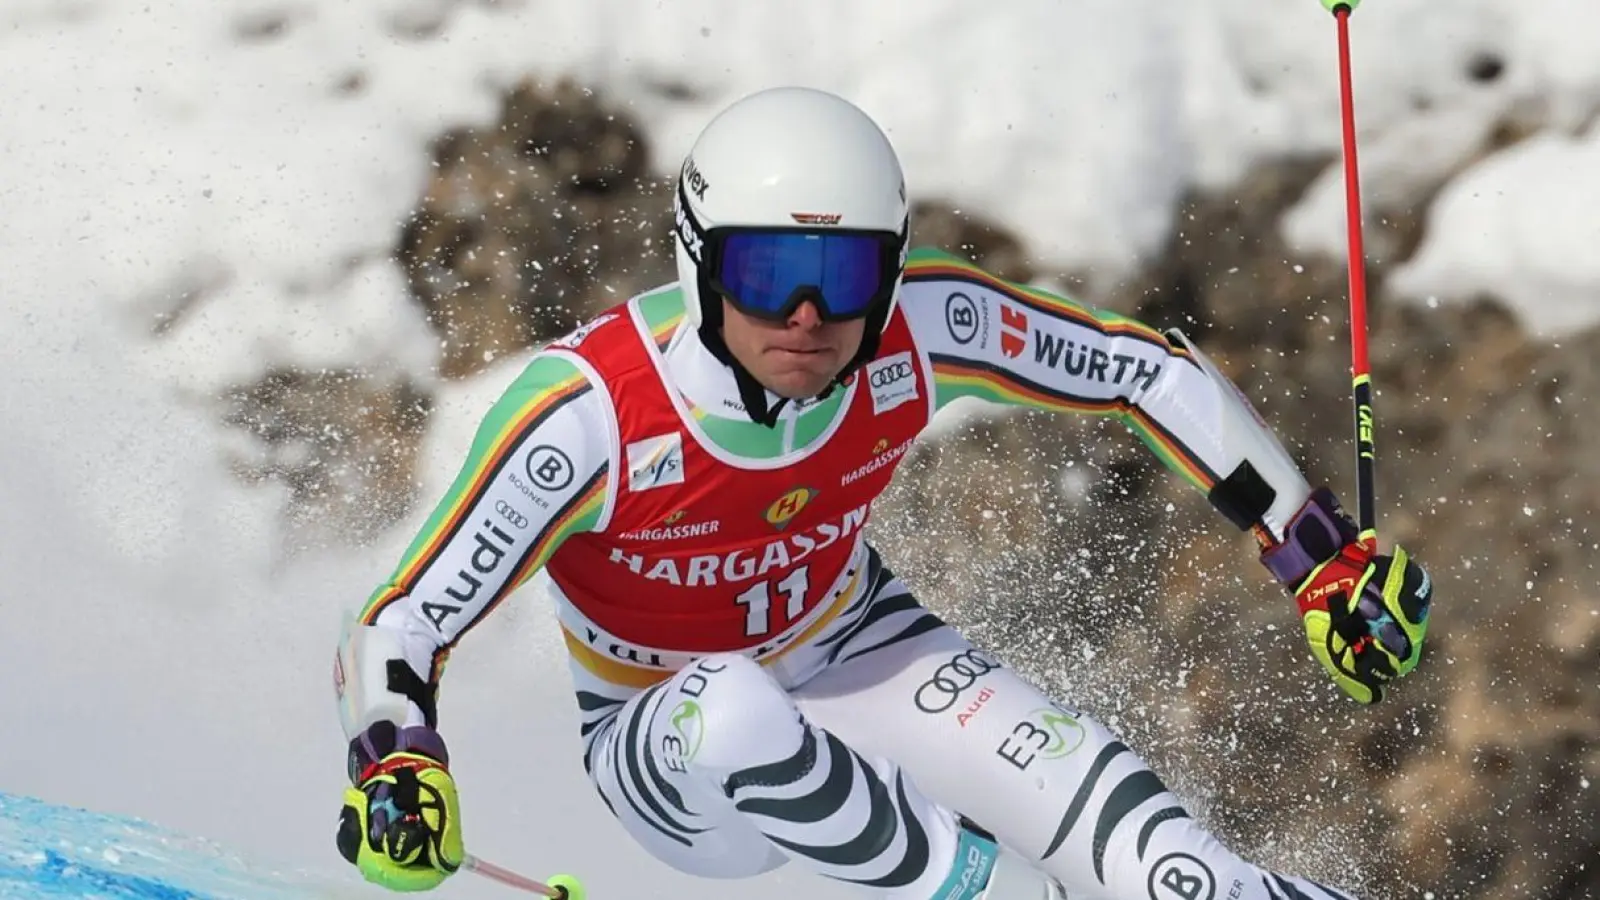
[[192, 196], [49, 851], [1492, 234]]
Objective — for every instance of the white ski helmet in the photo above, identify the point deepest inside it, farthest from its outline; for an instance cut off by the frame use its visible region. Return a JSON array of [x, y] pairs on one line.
[[791, 194]]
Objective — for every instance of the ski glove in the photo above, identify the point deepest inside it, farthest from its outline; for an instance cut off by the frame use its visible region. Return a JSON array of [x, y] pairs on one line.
[[1365, 615], [401, 823]]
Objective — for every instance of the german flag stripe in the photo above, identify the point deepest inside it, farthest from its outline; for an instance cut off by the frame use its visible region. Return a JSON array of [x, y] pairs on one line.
[[495, 450], [580, 514], [962, 377], [663, 331], [1044, 303]]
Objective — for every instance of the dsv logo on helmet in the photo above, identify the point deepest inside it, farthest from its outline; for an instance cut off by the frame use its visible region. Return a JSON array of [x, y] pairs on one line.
[[887, 375], [951, 679]]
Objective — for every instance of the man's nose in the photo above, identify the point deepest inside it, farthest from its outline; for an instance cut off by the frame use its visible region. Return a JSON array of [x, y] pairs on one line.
[[805, 316]]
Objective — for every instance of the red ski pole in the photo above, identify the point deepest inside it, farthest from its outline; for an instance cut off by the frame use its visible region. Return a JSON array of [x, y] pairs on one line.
[[1360, 369], [561, 887]]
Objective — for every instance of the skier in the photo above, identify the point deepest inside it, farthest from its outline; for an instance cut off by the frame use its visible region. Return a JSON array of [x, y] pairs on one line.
[[693, 470]]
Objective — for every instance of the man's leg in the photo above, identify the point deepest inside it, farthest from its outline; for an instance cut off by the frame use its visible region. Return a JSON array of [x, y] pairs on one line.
[[1052, 784], [716, 773], [626, 735]]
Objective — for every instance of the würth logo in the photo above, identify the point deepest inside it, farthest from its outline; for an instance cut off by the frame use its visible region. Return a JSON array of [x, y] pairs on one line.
[[1013, 332]]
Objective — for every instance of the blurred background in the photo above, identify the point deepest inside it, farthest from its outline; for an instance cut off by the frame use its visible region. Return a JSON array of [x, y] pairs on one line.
[[266, 262]]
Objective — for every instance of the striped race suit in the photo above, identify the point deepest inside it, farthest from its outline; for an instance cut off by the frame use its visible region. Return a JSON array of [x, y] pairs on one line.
[[755, 684]]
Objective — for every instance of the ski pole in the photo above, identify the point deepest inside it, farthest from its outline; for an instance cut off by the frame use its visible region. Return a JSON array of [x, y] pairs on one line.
[[561, 887], [1360, 369]]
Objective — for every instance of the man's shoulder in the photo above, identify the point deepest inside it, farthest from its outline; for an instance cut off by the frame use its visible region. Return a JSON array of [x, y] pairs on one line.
[[931, 275], [932, 264], [661, 308], [602, 346], [941, 290]]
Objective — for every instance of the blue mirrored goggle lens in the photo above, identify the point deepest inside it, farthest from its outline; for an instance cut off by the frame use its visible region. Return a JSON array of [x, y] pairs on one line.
[[761, 272]]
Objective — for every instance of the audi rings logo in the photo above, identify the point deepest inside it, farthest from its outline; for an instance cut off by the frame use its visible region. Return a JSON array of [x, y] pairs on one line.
[[940, 692], [886, 375], [510, 514]]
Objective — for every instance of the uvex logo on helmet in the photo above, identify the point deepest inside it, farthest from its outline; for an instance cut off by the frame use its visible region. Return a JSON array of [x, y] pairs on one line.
[[692, 242], [693, 180]]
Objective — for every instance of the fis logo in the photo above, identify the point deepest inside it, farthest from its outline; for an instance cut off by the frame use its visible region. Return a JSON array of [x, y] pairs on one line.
[[655, 462]]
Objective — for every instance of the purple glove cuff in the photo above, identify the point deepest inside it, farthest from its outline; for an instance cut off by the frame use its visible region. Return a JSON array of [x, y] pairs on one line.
[[383, 738], [1315, 535]]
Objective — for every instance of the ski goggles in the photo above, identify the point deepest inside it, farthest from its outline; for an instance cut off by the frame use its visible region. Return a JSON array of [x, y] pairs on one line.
[[767, 273]]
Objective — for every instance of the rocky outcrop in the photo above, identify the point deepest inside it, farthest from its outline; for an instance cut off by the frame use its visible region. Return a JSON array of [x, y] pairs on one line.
[[528, 225], [344, 443]]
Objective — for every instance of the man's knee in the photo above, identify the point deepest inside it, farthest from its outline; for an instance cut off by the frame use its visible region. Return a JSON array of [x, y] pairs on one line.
[[725, 713]]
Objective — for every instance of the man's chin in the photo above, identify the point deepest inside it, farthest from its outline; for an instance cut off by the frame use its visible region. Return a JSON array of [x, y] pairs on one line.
[[798, 385]]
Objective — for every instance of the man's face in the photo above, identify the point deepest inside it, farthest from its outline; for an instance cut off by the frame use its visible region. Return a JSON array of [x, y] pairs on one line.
[[796, 358]]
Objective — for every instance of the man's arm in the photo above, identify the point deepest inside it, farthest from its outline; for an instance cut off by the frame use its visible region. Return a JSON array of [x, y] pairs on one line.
[[1006, 343], [538, 471], [1365, 615]]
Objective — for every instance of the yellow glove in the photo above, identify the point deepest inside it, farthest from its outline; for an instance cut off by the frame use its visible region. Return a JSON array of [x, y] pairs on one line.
[[1365, 615], [1365, 618], [401, 821]]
